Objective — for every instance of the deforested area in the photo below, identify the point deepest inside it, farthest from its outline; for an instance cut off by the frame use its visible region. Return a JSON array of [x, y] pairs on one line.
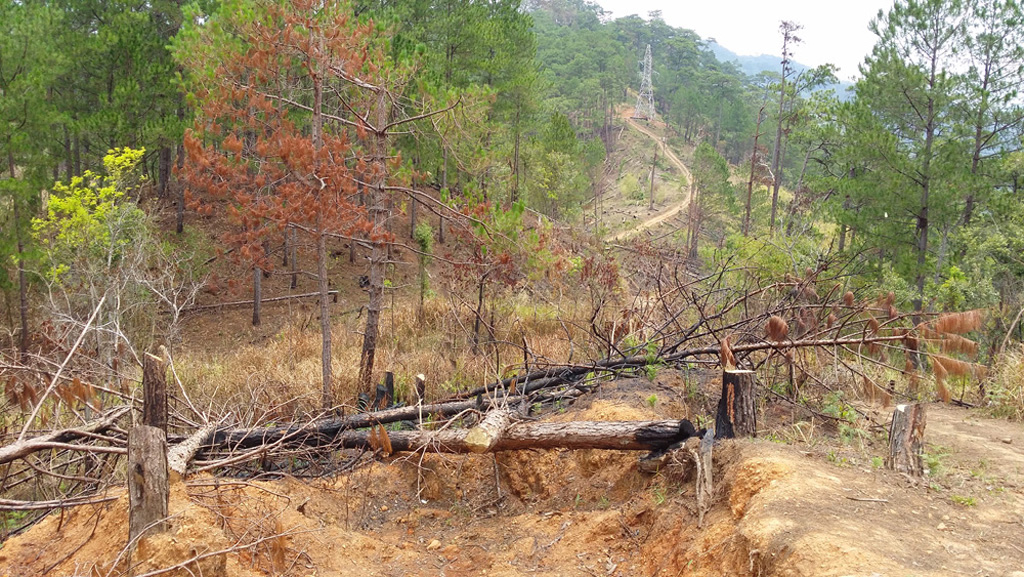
[[462, 288]]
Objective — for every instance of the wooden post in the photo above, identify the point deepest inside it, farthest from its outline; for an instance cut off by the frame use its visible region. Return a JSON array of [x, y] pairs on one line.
[[906, 440], [737, 411], [148, 490], [154, 392]]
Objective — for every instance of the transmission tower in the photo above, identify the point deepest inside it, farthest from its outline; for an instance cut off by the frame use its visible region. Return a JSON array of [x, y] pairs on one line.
[[645, 100]]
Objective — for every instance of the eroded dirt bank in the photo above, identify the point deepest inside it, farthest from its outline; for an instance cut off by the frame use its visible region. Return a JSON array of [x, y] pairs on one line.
[[780, 509]]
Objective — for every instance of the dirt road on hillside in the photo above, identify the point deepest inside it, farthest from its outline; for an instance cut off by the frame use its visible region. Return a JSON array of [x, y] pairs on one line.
[[673, 209]]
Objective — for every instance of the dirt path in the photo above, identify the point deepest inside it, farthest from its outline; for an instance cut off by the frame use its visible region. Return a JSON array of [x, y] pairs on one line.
[[672, 210]]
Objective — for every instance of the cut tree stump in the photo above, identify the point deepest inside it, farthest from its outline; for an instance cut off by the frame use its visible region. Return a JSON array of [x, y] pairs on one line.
[[154, 391], [148, 489], [906, 440], [737, 409]]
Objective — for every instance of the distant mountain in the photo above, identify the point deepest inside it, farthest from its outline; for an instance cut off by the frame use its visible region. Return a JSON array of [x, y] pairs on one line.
[[752, 65]]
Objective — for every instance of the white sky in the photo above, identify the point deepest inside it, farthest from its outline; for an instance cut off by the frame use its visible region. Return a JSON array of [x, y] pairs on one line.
[[835, 31]]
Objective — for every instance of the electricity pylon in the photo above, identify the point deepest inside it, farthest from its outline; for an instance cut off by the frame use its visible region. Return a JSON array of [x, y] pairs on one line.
[[645, 99]]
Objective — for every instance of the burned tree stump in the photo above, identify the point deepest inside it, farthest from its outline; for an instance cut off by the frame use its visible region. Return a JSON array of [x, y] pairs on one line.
[[154, 391], [906, 440], [737, 409], [148, 489]]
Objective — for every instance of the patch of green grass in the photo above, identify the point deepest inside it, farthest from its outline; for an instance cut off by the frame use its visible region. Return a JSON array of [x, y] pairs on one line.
[[963, 501], [877, 462], [933, 460], [659, 494]]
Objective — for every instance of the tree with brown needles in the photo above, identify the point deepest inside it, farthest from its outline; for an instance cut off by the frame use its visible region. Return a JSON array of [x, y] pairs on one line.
[[279, 141]]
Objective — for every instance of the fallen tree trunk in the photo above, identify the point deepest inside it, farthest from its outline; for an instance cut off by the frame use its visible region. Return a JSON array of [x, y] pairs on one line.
[[327, 429], [26, 447], [611, 435], [179, 455], [485, 436]]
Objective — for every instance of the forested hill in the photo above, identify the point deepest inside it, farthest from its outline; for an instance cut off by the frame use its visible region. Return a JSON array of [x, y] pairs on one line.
[[490, 109]]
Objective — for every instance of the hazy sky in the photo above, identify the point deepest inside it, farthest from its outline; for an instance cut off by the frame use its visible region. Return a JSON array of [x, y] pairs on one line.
[[834, 31]]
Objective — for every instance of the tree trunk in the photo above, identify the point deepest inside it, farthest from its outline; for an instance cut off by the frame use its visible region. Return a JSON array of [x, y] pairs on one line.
[[78, 154], [69, 162], [327, 385], [293, 258], [654, 163], [257, 294], [737, 409], [483, 437], [154, 392], [610, 435], [148, 489], [412, 216], [178, 457], [753, 166], [378, 253], [906, 439], [22, 280], [179, 225], [164, 171], [444, 191]]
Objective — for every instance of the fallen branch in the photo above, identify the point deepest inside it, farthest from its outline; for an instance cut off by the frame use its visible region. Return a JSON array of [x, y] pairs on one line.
[[12, 505], [60, 439], [198, 308]]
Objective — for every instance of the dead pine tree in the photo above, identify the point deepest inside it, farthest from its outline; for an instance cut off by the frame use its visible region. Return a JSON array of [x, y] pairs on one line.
[[293, 147]]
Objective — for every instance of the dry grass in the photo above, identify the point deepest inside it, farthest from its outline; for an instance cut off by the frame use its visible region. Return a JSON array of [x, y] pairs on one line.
[[280, 378], [1006, 393]]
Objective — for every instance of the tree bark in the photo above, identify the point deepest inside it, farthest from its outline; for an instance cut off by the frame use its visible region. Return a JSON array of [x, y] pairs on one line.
[[906, 439], [148, 489], [737, 409], [154, 391]]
